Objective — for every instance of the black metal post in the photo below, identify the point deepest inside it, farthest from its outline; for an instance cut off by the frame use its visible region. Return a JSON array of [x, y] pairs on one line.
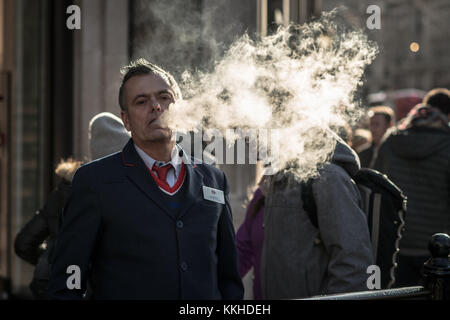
[[436, 271]]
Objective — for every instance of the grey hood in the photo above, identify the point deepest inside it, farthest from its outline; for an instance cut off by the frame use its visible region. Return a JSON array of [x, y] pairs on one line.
[[346, 157], [107, 135]]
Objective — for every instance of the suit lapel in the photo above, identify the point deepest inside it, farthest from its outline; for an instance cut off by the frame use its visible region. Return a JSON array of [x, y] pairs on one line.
[[194, 191], [138, 173]]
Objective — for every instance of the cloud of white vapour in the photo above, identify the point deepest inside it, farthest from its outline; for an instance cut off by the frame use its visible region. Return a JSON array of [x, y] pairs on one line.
[[186, 34], [301, 80]]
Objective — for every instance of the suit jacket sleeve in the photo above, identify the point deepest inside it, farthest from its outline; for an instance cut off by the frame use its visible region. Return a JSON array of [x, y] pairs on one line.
[[344, 232], [230, 283], [76, 240]]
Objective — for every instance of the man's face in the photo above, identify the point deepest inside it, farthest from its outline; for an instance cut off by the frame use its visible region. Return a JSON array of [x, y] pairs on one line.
[[147, 97], [378, 127]]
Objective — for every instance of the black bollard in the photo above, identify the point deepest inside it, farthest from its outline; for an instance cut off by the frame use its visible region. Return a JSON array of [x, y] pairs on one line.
[[436, 271]]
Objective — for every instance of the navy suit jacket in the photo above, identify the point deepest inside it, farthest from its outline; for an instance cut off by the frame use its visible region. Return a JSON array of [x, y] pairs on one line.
[[119, 232]]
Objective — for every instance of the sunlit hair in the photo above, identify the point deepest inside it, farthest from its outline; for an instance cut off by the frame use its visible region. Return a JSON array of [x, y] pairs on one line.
[[386, 111], [438, 98], [143, 67], [67, 168]]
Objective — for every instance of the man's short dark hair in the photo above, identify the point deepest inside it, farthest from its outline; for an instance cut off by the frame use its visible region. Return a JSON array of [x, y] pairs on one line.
[[438, 98], [143, 67]]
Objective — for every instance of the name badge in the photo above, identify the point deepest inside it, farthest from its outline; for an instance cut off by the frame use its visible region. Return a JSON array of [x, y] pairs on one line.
[[213, 195]]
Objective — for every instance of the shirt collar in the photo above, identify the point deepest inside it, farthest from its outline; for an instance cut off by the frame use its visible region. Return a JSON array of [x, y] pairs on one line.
[[175, 161]]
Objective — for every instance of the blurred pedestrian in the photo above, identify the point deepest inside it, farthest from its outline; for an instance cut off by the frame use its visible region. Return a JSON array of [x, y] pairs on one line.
[[250, 237], [301, 258], [381, 119], [416, 156], [344, 132], [107, 135], [362, 139], [35, 241]]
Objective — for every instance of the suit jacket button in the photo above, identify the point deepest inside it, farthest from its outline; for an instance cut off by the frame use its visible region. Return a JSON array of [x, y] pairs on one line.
[[180, 224], [184, 266]]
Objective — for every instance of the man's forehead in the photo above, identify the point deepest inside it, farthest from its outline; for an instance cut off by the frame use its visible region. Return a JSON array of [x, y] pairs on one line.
[[147, 83]]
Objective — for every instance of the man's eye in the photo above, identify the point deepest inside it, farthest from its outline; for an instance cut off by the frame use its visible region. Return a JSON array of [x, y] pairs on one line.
[[165, 97], [141, 101]]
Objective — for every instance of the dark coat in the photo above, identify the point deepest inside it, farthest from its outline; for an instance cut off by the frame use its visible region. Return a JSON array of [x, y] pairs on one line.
[[118, 229], [300, 260], [366, 156], [43, 226], [418, 161]]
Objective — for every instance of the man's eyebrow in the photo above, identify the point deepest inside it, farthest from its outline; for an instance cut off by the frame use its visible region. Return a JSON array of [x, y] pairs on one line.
[[165, 91]]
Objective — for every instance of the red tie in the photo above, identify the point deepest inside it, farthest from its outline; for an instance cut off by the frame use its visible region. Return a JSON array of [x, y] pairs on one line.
[[162, 172]]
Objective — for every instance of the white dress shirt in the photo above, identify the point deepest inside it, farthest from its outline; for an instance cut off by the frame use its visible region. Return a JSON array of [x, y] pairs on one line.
[[172, 173]]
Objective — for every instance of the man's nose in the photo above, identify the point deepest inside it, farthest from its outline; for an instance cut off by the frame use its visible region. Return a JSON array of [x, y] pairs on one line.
[[155, 105]]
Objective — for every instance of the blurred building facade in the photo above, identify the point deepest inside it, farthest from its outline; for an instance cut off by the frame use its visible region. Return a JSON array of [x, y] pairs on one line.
[[54, 80], [404, 22], [35, 118]]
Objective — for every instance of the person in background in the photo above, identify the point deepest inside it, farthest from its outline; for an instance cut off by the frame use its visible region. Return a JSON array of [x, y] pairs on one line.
[[107, 135], [35, 241], [250, 237], [381, 119], [416, 157], [344, 132], [302, 259], [362, 139]]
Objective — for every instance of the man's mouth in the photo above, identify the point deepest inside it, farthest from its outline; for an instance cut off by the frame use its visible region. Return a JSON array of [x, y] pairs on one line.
[[156, 124], [153, 121]]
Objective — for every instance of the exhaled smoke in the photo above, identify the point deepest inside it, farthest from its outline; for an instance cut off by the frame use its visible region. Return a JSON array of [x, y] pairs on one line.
[[181, 34], [301, 80]]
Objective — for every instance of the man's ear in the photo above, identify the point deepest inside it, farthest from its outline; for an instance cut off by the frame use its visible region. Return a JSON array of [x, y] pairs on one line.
[[126, 123]]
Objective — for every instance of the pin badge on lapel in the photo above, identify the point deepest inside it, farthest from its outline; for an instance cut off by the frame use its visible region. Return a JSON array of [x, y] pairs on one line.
[[212, 194]]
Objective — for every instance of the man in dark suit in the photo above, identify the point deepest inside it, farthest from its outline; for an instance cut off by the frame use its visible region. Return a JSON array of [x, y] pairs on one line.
[[146, 223]]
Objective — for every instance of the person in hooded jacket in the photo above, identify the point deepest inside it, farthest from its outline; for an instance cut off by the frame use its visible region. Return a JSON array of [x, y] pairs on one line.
[[107, 135], [300, 260], [35, 241], [415, 155]]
